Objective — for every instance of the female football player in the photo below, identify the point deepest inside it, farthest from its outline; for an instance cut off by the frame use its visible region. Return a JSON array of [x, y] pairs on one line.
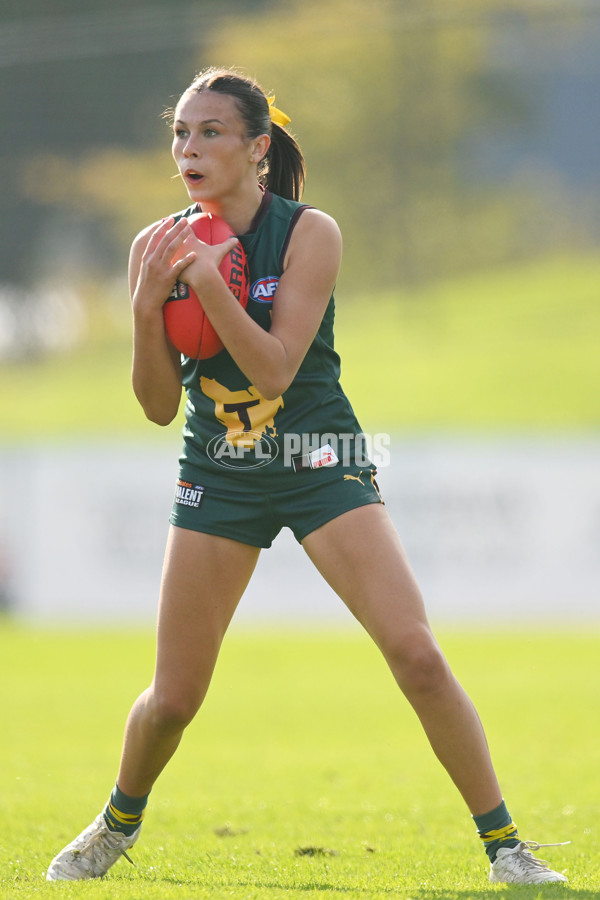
[[276, 379]]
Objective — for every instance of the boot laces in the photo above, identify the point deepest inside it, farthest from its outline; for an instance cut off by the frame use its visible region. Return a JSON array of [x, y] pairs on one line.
[[99, 837], [534, 846]]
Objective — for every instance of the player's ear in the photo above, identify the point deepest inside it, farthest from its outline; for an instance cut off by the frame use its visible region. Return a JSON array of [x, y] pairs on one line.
[[258, 148]]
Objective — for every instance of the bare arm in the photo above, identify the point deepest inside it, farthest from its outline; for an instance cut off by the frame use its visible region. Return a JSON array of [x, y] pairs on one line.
[[156, 370], [271, 359]]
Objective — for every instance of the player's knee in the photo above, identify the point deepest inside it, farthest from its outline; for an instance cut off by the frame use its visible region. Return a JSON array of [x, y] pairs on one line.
[[172, 709], [417, 662]]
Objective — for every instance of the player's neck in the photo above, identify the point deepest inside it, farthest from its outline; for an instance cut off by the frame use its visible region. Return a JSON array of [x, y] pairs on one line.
[[238, 211]]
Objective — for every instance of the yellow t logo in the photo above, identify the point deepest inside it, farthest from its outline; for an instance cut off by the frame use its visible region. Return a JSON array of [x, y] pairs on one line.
[[242, 412]]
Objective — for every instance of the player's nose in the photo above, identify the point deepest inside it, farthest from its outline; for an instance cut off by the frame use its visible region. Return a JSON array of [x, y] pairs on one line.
[[190, 148]]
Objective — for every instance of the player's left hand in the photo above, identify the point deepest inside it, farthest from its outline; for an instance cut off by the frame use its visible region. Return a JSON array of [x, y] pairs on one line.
[[208, 256]]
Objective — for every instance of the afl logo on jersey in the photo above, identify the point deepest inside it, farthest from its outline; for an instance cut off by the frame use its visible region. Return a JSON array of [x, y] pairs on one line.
[[264, 289]]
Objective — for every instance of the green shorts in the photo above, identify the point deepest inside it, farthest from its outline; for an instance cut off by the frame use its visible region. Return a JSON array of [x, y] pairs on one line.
[[257, 518]]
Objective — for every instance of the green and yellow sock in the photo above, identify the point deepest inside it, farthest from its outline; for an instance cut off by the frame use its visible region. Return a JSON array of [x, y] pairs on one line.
[[124, 813], [496, 829]]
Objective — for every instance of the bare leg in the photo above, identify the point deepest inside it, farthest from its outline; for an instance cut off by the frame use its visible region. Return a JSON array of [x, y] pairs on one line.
[[361, 557], [203, 579]]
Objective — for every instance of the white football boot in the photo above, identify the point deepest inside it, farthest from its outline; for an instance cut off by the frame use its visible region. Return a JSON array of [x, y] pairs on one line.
[[518, 865], [92, 853]]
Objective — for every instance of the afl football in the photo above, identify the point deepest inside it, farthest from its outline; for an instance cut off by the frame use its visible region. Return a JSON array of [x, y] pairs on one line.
[[186, 324]]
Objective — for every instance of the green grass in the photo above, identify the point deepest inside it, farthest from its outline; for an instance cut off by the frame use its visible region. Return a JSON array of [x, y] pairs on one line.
[[303, 742], [513, 349]]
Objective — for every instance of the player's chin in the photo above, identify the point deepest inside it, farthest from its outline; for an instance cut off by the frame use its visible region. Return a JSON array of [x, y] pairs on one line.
[[196, 188]]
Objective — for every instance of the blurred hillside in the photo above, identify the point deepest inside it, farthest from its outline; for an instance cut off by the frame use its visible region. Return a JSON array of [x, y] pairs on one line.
[[516, 351], [446, 136]]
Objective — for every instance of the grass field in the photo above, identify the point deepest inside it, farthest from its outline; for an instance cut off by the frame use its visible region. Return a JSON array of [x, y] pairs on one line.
[[305, 775], [518, 348]]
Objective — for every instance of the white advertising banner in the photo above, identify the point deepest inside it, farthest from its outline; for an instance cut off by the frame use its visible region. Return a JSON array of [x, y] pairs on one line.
[[496, 529]]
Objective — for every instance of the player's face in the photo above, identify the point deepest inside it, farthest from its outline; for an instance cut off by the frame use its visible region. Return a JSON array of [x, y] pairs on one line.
[[210, 147]]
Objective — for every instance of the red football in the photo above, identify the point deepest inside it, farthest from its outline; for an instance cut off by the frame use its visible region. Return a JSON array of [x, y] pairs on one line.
[[185, 322]]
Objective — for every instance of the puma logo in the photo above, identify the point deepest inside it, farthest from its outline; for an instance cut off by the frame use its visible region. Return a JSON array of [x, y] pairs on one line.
[[354, 478]]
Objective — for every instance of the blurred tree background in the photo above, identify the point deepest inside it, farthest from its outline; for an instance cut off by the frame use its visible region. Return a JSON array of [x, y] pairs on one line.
[[448, 138]]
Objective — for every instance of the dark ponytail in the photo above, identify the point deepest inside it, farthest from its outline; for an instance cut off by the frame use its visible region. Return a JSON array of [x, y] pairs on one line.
[[282, 170], [285, 170]]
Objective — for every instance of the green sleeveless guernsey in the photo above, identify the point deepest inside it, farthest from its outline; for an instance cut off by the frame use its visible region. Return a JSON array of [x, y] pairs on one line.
[[233, 435]]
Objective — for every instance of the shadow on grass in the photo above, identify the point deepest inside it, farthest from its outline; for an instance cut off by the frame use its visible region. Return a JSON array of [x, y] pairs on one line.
[[499, 891]]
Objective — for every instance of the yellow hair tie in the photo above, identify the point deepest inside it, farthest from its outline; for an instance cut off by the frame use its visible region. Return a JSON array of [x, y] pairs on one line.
[[277, 115]]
